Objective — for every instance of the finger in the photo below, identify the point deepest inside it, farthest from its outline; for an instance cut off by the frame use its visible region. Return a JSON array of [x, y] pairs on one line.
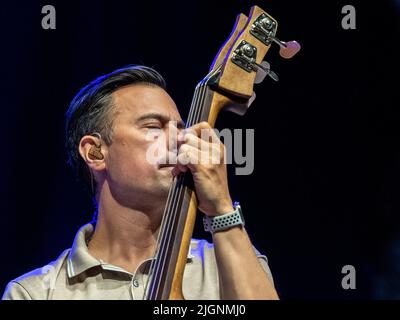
[[189, 156], [207, 135], [198, 128], [209, 153], [196, 142]]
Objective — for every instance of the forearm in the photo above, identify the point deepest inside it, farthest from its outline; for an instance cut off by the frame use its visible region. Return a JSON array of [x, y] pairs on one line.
[[240, 272]]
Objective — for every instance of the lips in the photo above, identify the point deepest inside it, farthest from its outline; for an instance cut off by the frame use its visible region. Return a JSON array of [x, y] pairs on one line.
[[165, 166], [167, 160]]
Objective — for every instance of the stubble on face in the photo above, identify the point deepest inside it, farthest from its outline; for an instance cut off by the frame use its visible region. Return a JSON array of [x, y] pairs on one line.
[[133, 180]]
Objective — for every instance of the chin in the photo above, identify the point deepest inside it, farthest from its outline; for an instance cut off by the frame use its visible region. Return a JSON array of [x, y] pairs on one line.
[[166, 185]]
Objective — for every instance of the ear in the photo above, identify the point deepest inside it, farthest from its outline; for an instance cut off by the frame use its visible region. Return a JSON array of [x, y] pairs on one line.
[[89, 143]]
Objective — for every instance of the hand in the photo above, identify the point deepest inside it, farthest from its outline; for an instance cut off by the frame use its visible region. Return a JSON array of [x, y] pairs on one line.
[[202, 152]]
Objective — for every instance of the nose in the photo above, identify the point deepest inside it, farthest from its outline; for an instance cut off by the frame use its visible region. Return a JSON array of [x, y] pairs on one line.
[[172, 135]]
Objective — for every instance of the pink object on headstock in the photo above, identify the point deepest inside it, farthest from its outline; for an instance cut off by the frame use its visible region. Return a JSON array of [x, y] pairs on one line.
[[289, 49]]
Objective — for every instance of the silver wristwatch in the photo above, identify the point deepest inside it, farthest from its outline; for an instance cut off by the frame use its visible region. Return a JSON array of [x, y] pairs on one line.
[[225, 221]]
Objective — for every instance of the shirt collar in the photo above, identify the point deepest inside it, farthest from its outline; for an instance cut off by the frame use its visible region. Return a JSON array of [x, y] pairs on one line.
[[79, 258]]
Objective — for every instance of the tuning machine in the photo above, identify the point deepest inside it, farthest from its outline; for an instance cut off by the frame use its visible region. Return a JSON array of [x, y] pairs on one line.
[[264, 69], [245, 57], [264, 29]]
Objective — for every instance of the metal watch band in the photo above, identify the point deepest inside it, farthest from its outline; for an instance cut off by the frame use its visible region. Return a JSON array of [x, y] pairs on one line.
[[225, 221]]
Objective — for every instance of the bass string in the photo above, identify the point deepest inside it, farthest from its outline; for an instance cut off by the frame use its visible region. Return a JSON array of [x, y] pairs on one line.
[[175, 209], [153, 276], [172, 213], [175, 194]]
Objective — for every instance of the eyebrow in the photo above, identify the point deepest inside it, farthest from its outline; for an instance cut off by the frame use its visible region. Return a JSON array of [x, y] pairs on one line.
[[162, 118]]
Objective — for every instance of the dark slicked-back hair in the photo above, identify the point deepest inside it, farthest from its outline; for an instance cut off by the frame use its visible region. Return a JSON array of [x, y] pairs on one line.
[[92, 110]]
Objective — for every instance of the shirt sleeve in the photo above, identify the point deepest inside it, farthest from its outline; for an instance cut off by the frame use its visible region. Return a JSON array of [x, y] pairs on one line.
[[15, 291], [264, 263]]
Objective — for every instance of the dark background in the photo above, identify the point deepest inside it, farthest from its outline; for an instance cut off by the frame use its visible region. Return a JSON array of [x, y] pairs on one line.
[[325, 189]]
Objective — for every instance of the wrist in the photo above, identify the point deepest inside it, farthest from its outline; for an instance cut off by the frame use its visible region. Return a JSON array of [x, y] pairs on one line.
[[220, 209], [231, 219], [224, 210]]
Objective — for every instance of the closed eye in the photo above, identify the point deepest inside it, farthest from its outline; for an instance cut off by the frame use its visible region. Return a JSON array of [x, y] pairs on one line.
[[153, 125]]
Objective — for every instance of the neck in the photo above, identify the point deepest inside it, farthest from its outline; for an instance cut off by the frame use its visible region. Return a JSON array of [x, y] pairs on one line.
[[124, 236]]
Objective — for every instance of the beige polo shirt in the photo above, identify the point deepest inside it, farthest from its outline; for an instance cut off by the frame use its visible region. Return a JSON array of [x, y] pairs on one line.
[[78, 275]]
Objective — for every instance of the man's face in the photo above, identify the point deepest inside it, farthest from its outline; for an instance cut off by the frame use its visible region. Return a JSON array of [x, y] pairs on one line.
[[141, 112]]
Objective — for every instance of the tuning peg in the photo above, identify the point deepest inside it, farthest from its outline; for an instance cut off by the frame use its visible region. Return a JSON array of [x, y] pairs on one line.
[[264, 29], [264, 69], [251, 100], [288, 49]]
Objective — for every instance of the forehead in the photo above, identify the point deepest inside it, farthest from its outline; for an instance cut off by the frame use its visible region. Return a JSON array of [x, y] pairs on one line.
[[138, 100]]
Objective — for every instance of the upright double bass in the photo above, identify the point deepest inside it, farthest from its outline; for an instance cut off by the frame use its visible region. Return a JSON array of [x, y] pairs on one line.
[[229, 85]]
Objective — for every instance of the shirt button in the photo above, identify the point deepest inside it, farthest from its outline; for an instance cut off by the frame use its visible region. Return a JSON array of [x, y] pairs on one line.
[[135, 283]]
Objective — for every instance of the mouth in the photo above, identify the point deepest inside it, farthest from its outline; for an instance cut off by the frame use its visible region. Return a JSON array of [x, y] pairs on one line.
[[167, 161], [164, 166]]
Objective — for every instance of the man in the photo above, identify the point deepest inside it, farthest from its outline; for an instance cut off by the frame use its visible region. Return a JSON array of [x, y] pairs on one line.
[[107, 131]]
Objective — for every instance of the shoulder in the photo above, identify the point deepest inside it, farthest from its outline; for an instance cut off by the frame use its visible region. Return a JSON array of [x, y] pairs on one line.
[[37, 283]]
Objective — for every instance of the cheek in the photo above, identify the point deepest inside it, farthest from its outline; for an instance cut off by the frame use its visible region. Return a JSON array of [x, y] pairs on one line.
[[129, 161], [156, 151]]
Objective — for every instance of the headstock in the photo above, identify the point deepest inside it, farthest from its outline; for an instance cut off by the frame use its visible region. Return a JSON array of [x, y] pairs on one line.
[[241, 58], [240, 22]]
